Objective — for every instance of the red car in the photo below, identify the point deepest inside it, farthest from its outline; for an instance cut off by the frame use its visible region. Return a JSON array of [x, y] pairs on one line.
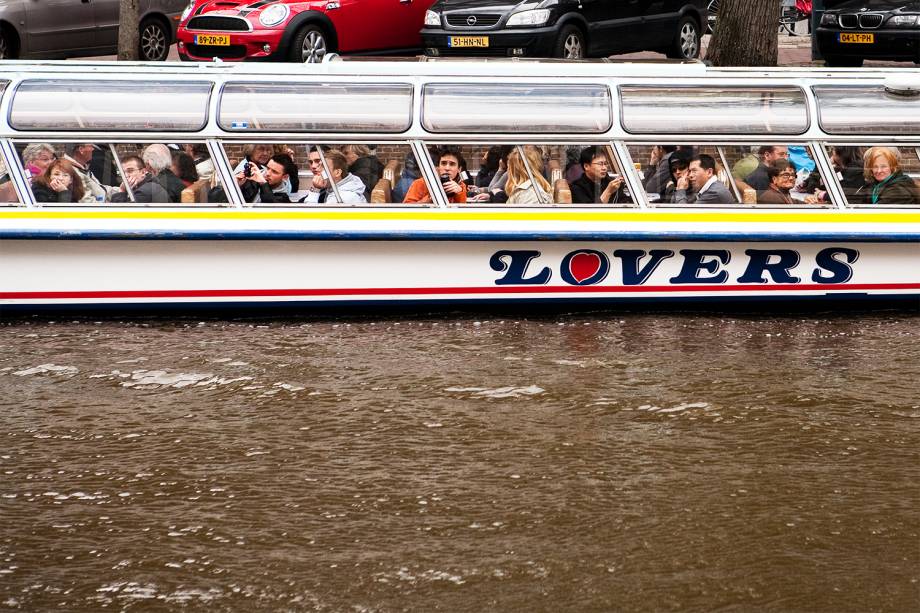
[[298, 31]]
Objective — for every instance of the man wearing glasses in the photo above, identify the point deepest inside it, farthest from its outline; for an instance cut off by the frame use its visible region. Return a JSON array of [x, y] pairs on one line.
[[701, 175], [596, 186], [782, 180]]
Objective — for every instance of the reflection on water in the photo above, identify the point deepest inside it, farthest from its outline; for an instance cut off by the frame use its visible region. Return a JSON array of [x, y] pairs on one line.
[[584, 462]]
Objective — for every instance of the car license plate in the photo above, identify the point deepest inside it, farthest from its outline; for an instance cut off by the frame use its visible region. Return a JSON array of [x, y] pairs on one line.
[[214, 40], [850, 37], [468, 41]]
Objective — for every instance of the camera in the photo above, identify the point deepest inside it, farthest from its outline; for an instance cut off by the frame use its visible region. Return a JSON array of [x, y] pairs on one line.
[[445, 179], [247, 169]]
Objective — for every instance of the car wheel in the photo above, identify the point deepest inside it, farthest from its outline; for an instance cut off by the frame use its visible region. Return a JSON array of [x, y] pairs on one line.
[[843, 62], [571, 44], [712, 13], [309, 46], [5, 52], [686, 44], [154, 41]]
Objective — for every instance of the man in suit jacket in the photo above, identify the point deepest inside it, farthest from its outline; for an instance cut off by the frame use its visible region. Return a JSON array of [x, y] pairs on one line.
[[702, 176]]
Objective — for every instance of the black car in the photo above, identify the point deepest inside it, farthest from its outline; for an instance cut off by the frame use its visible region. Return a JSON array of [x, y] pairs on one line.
[[564, 28], [858, 30]]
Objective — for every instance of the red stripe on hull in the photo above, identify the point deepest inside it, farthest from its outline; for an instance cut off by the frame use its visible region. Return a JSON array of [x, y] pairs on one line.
[[418, 291]]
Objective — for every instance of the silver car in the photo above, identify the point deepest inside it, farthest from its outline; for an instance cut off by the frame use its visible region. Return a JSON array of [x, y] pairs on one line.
[[54, 29]]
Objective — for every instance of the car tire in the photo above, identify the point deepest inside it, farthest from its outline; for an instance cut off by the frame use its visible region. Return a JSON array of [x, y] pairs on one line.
[[309, 46], [843, 62], [153, 42], [686, 44], [571, 44], [6, 50]]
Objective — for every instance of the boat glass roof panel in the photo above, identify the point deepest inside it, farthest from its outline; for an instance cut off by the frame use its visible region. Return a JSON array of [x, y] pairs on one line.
[[316, 107], [866, 110], [516, 108], [714, 110], [88, 105]]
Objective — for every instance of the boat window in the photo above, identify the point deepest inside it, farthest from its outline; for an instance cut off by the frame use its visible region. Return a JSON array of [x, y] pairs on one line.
[[530, 174], [515, 108], [62, 104], [155, 174], [378, 174], [866, 110], [768, 174], [316, 107], [729, 110], [874, 176]]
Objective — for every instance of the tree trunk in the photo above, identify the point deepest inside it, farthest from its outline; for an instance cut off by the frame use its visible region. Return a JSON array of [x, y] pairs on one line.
[[746, 33], [129, 15]]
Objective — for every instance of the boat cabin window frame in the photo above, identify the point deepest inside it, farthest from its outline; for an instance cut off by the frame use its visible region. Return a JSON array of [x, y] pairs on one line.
[[729, 180], [865, 128], [240, 127], [611, 150], [110, 144], [56, 89], [429, 116], [913, 147], [727, 128]]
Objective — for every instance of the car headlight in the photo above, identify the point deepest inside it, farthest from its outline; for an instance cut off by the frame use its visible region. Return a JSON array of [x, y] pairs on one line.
[[432, 19], [274, 15], [829, 19], [904, 21], [534, 17], [187, 11]]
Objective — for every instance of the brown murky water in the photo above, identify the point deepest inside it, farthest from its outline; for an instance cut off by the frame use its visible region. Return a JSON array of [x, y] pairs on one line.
[[576, 463]]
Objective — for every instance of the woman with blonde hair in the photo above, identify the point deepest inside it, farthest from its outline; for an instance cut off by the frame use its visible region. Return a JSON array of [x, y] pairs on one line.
[[519, 187], [886, 183]]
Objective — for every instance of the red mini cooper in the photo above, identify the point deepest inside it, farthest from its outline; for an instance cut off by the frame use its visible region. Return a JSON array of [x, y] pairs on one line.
[[298, 31]]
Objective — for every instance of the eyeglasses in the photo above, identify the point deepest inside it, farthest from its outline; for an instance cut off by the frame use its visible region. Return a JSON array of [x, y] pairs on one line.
[[787, 175], [601, 163]]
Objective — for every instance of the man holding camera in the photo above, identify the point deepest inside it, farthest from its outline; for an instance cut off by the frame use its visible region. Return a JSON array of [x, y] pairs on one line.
[[268, 186], [450, 163], [595, 186]]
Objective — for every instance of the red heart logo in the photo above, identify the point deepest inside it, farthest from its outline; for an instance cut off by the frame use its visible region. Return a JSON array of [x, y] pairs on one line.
[[583, 266]]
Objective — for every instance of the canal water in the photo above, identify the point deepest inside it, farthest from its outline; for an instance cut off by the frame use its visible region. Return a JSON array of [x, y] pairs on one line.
[[586, 462]]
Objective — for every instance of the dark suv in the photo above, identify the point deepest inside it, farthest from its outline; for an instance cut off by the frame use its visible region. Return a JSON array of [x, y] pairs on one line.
[[570, 29]]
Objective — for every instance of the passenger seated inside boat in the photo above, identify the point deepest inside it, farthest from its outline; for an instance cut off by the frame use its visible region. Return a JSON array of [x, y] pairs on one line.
[[449, 163], [526, 183], [80, 156], [759, 178], [183, 166], [886, 181], [363, 164], [782, 180], [36, 157], [707, 188], [678, 165], [58, 183], [596, 185], [347, 186], [143, 183]]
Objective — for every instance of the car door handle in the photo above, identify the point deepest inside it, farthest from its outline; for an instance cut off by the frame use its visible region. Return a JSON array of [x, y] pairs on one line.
[[405, 1]]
